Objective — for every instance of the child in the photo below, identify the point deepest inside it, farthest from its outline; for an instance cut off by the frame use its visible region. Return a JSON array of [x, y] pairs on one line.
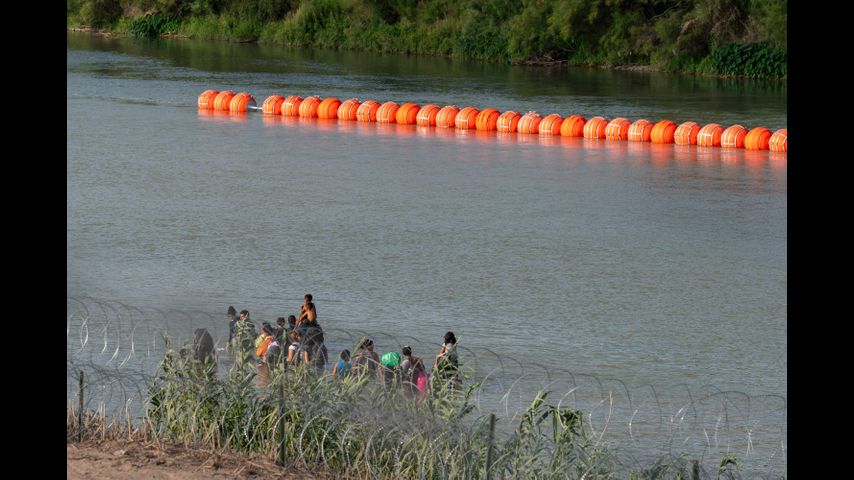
[[266, 339], [342, 368]]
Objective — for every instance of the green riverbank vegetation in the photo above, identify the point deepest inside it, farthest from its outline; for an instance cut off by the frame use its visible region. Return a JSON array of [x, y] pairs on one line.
[[359, 426], [719, 37]]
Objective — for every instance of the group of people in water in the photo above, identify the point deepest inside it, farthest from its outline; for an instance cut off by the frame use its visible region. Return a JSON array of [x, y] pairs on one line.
[[299, 340]]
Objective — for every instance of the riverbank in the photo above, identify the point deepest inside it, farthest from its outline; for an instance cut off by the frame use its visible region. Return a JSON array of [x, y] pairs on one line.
[[137, 460], [695, 36]]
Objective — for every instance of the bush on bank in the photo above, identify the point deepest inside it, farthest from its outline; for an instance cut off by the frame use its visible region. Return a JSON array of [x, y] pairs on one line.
[[723, 37]]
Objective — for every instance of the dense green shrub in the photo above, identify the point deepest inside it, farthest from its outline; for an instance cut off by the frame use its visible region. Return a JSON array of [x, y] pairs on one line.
[[751, 60], [153, 25]]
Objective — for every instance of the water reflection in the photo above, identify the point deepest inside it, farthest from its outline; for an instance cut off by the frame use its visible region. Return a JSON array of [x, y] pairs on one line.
[[220, 116]]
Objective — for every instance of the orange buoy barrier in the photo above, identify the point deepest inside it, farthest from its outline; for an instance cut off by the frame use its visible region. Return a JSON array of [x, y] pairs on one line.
[[550, 124], [447, 116], [508, 121], [308, 107], [367, 111], [206, 99], [663, 131], [710, 135], [529, 123], [273, 105], [733, 137], [618, 129], [426, 116], [466, 118], [328, 108], [407, 114], [487, 119], [222, 100], [241, 101], [595, 127], [640, 131], [686, 134], [573, 126], [387, 112], [757, 139], [290, 107], [347, 109], [777, 143]]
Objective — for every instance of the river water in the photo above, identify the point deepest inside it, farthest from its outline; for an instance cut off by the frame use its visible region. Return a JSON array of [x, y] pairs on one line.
[[656, 265]]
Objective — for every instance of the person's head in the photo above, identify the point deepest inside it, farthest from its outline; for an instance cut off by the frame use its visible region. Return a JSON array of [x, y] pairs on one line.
[[292, 321], [345, 355], [450, 338], [368, 344], [407, 350], [267, 329], [232, 313], [280, 321], [308, 298], [244, 314]]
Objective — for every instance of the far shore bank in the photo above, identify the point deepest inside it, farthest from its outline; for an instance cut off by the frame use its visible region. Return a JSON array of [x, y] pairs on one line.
[[644, 68]]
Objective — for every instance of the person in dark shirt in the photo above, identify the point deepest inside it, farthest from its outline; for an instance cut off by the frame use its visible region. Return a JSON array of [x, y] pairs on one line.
[[232, 321]]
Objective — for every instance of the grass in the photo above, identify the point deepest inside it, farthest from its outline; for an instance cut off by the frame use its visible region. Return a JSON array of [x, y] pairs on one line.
[[358, 427]]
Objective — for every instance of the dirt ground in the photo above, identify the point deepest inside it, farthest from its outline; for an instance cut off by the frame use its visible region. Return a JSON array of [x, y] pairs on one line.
[[136, 461]]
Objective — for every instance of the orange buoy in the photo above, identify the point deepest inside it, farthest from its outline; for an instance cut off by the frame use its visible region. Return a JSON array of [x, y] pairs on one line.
[[757, 139], [529, 123], [508, 121], [241, 101], [426, 116], [572, 126], [733, 137], [487, 119], [290, 107], [710, 135], [367, 111], [550, 125], [447, 116], [206, 99], [407, 114], [466, 118], [387, 112], [595, 127], [663, 131], [777, 143], [618, 129], [328, 108], [347, 109], [273, 105], [640, 131], [308, 107], [686, 134], [222, 100]]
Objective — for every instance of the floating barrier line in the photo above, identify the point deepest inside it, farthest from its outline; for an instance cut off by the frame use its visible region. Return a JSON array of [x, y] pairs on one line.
[[469, 118]]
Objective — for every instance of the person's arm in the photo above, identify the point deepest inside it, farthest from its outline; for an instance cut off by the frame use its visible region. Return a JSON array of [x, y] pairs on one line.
[[438, 356]]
